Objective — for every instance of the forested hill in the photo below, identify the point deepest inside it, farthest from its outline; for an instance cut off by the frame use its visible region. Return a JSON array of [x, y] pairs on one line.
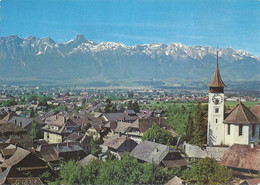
[[80, 58]]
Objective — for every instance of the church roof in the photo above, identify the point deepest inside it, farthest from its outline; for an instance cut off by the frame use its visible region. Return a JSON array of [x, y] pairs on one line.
[[216, 80], [256, 110], [240, 114]]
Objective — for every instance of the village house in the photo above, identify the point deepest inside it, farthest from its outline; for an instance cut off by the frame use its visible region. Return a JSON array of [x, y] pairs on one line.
[[160, 154], [126, 116], [57, 131], [24, 161], [243, 159], [82, 138], [137, 129], [119, 144], [53, 154], [22, 122], [7, 117]]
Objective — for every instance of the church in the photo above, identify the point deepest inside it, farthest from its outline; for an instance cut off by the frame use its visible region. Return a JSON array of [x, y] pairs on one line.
[[240, 126]]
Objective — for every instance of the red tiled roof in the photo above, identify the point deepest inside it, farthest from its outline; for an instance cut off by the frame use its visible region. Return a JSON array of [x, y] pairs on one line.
[[242, 156], [240, 114]]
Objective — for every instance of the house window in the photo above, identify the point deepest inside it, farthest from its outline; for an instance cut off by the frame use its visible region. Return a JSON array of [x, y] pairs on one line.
[[216, 110], [216, 120], [21, 124], [228, 130], [240, 133], [253, 130]]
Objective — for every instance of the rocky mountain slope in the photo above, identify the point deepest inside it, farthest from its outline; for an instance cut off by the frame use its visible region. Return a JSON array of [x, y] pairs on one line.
[[83, 59]]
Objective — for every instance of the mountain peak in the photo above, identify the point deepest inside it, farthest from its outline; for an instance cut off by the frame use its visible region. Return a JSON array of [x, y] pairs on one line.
[[79, 39], [48, 40]]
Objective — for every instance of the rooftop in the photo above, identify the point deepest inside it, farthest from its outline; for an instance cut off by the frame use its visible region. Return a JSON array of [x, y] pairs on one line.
[[240, 114], [242, 156]]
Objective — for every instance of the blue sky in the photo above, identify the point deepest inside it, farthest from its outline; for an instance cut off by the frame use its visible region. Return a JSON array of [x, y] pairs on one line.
[[223, 23]]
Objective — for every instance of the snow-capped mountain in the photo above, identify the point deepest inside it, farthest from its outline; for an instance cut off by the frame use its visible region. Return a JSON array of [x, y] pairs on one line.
[[80, 58]]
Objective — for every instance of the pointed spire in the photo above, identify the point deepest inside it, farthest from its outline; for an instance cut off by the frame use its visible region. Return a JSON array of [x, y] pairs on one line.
[[216, 80]]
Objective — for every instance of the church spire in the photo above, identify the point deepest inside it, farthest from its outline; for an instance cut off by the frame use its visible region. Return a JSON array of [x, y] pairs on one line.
[[216, 83]]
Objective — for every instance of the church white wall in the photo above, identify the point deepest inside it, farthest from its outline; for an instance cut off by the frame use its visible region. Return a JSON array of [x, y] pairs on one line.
[[246, 137], [215, 135]]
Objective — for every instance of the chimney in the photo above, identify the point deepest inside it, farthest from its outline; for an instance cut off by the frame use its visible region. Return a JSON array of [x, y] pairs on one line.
[[100, 157], [78, 133], [64, 119], [252, 145]]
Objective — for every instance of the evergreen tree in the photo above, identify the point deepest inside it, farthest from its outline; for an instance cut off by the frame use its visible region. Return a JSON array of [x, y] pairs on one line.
[[32, 114], [108, 106], [136, 107], [130, 105], [189, 129], [200, 131], [34, 130], [94, 148]]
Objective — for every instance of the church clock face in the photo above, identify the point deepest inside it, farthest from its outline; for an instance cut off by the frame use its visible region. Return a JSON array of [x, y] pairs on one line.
[[217, 99]]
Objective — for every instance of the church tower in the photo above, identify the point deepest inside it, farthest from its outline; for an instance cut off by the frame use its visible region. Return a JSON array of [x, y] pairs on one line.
[[215, 132]]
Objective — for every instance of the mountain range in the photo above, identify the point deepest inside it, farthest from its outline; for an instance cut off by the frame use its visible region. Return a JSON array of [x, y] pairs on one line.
[[82, 59]]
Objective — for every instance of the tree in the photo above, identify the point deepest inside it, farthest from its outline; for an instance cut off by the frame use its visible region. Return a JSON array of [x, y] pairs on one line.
[[94, 149], [130, 105], [125, 171], [34, 130], [10, 103], [153, 174], [207, 171], [32, 114], [31, 97], [200, 130], [189, 128], [91, 171], [84, 101], [71, 173], [159, 135], [121, 108], [108, 106], [136, 107], [130, 94]]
